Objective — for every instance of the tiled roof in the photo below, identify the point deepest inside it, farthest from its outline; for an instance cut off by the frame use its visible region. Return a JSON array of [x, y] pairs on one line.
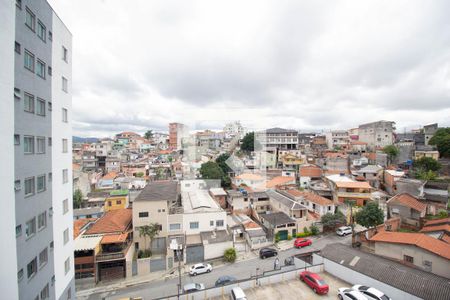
[[113, 221], [114, 238], [310, 196], [159, 191], [438, 221], [353, 184], [280, 180], [441, 227], [249, 176], [277, 218], [418, 239], [408, 200], [414, 281], [110, 175], [286, 201], [79, 224], [310, 171], [446, 238]]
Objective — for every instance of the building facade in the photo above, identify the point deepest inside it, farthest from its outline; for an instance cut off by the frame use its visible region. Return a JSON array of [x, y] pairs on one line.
[[377, 134], [41, 121]]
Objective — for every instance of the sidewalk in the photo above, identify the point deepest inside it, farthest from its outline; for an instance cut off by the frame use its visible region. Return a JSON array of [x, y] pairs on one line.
[[163, 275]]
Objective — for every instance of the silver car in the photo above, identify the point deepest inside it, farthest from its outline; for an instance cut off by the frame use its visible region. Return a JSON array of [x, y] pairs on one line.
[[193, 287], [344, 230], [200, 269]]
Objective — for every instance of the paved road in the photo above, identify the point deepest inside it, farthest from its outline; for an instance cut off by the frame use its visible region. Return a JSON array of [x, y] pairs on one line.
[[240, 270]]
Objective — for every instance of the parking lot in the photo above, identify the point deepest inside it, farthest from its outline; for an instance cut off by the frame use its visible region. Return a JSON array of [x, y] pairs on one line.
[[293, 289]]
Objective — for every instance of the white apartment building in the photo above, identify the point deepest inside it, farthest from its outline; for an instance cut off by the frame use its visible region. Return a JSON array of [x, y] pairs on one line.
[[36, 78], [337, 139], [377, 134]]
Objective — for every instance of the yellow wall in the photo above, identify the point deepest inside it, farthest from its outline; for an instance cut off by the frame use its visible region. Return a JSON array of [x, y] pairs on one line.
[[115, 203]]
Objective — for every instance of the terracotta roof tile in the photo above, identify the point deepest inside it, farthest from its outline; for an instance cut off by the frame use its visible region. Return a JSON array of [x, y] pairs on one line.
[[310, 171], [110, 175], [113, 221], [114, 238], [79, 224], [408, 200], [446, 238], [280, 180], [420, 240], [442, 227], [310, 196], [438, 221], [353, 184]]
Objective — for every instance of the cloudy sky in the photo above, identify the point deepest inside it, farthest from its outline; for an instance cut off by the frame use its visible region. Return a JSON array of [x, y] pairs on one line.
[[308, 65]]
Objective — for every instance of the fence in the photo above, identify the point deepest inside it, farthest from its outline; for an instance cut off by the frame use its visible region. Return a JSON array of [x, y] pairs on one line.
[[253, 282]]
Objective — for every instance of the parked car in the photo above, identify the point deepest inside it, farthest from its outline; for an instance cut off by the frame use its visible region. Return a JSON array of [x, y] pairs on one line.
[[350, 294], [301, 242], [371, 292], [193, 287], [224, 280], [267, 252], [315, 282], [344, 230], [200, 269], [238, 294]]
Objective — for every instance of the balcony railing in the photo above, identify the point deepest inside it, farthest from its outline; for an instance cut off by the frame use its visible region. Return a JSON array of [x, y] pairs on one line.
[[109, 256], [353, 195]]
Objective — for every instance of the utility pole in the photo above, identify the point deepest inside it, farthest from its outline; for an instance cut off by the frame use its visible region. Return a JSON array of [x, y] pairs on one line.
[[179, 270]]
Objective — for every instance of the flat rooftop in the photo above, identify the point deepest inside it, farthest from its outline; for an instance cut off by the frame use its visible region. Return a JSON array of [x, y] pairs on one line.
[[198, 201]]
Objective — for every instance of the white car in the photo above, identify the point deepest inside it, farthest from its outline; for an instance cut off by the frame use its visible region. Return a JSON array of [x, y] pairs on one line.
[[350, 294], [371, 292], [200, 269], [193, 287], [237, 294], [344, 230]]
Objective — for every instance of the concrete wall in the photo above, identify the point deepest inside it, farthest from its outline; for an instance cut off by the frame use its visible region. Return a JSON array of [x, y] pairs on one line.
[[354, 277], [154, 216], [203, 220], [8, 260], [440, 266], [216, 250]]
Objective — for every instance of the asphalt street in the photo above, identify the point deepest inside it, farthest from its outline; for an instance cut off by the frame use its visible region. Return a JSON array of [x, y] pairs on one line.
[[240, 270]]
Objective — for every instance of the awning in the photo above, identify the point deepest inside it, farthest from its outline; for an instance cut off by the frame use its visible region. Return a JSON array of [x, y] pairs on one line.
[[87, 242], [114, 238]]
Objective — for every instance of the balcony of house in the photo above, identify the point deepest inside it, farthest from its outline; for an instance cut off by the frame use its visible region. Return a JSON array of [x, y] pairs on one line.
[[353, 193], [113, 247]]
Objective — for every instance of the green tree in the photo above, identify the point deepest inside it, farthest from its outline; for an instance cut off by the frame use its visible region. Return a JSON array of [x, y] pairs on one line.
[[221, 161], [426, 175], [77, 198], [230, 255], [211, 170], [426, 164], [249, 143], [392, 152], [370, 215], [148, 134], [441, 139], [149, 231], [332, 220], [314, 230], [140, 174]]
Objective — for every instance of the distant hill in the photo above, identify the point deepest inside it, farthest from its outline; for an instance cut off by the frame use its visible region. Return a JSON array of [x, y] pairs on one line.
[[77, 139]]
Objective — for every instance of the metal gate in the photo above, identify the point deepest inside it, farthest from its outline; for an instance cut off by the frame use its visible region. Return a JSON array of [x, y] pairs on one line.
[[158, 264], [134, 269], [194, 254], [283, 234]]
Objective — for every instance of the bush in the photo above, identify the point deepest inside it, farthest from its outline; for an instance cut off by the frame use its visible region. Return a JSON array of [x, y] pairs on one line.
[[302, 234], [442, 213], [277, 237], [289, 237], [306, 230], [144, 253], [314, 230], [230, 255]]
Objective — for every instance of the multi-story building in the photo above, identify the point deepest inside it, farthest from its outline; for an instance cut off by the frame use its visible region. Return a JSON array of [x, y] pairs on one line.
[[429, 131], [176, 133], [337, 139], [233, 129], [37, 75], [377, 134], [279, 138]]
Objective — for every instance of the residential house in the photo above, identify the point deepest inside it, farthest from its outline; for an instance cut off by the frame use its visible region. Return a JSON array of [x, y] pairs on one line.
[[89, 161], [279, 223], [436, 228], [220, 196], [372, 174], [345, 188], [414, 249], [411, 186], [248, 179], [426, 151], [259, 202], [290, 161], [112, 164], [109, 241], [312, 201], [408, 208], [390, 180], [429, 131], [308, 172], [117, 199], [377, 134], [278, 182], [337, 139], [436, 193], [358, 146], [107, 181], [238, 202], [87, 213]]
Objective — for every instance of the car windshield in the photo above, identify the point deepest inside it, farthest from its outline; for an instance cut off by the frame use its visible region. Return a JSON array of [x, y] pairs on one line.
[[198, 286], [321, 282]]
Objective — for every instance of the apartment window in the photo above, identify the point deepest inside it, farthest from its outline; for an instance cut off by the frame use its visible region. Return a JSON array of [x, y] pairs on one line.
[[64, 145], [30, 19], [40, 70], [50, 35], [64, 54], [40, 107], [173, 227], [17, 47], [49, 71], [143, 214], [211, 223], [43, 257], [18, 230], [49, 106], [29, 60], [408, 259], [219, 223], [49, 141], [17, 95], [64, 84], [19, 3], [42, 220], [65, 206], [64, 115], [32, 267], [45, 293], [30, 227], [29, 186], [67, 265], [65, 174], [193, 225], [109, 203], [28, 103], [41, 32], [40, 145], [66, 236], [41, 183], [50, 175], [20, 275], [17, 186], [28, 144], [16, 139], [52, 244], [118, 202]]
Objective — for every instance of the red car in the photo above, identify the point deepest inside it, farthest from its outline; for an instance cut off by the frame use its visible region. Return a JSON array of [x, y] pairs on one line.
[[315, 282], [302, 243]]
